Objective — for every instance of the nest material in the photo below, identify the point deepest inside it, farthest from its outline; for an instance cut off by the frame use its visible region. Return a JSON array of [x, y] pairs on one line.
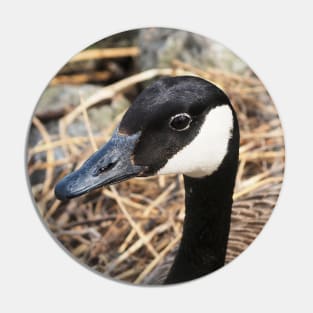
[[126, 231]]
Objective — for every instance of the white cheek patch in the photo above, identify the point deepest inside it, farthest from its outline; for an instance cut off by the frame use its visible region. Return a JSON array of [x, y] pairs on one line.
[[206, 151]]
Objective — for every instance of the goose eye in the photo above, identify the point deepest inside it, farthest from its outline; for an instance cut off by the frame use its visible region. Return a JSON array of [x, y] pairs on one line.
[[180, 121]]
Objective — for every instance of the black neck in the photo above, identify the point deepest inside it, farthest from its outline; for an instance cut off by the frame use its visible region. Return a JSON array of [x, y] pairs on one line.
[[206, 228], [208, 203]]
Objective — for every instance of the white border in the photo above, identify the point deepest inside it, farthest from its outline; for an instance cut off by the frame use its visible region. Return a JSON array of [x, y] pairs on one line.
[[275, 273]]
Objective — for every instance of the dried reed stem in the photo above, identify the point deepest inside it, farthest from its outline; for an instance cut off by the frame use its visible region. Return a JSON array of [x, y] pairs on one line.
[[111, 53]]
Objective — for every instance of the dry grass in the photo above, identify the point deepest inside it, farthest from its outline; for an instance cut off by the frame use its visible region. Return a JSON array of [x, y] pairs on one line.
[[126, 230]]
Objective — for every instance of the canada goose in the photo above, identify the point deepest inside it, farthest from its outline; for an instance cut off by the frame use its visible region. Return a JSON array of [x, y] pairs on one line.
[[180, 125]]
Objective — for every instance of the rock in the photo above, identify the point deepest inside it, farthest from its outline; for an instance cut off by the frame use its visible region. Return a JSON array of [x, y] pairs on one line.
[[101, 117], [124, 39], [160, 46], [59, 96]]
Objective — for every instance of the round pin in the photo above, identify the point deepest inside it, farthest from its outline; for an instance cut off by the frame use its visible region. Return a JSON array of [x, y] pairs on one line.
[[155, 156]]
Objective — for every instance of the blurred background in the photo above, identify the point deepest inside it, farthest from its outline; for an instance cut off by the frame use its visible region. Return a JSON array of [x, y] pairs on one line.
[[130, 231]]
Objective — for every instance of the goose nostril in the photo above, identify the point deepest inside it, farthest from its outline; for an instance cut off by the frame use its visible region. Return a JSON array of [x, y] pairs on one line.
[[105, 168]]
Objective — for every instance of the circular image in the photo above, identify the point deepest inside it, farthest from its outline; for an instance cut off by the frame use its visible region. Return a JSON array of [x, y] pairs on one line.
[[155, 156]]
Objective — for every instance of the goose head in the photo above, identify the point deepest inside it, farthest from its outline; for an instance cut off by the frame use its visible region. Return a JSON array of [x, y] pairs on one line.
[[179, 125]]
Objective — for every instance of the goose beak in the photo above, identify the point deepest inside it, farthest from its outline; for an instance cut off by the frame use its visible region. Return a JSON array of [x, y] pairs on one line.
[[111, 164]]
